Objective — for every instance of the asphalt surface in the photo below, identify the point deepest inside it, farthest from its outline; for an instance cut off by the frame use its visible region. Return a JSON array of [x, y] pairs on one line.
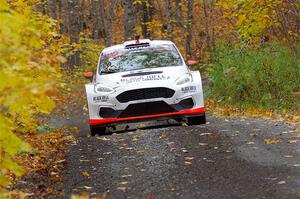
[[226, 158]]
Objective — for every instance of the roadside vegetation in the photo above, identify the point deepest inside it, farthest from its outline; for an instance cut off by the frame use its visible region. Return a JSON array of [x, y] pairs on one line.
[[248, 50], [265, 77], [30, 58]]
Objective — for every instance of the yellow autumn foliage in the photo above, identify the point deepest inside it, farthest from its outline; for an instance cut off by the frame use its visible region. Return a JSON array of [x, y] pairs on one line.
[[250, 18], [30, 57]]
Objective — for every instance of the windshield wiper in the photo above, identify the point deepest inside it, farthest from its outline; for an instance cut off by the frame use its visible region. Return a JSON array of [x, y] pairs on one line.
[[109, 71]]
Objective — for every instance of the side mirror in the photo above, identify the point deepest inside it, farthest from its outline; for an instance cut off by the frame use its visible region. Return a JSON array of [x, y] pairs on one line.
[[190, 63], [89, 75]]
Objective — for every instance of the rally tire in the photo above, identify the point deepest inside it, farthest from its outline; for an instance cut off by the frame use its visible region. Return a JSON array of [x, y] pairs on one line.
[[97, 130], [197, 120]]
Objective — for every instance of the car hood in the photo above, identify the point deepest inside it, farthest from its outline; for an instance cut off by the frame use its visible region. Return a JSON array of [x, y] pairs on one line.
[[143, 76]]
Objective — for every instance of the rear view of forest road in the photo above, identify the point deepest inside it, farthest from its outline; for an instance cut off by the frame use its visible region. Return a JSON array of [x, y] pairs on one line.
[[247, 52]]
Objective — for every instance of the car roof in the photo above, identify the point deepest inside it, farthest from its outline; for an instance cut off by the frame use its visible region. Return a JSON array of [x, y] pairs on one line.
[[122, 46]]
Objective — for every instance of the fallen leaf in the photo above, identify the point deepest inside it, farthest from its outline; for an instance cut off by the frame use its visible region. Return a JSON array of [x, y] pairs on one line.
[[103, 138], [141, 125], [298, 130], [87, 187], [126, 176], [189, 158], [53, 173], [163, 136], [281, 182], [203, 134], [135, 138], [122, 188], [250, 143], [83, 195], [184, 124], [84, 160], [272, 141], [184, 150], [293, 141], [124, 183], [187, 162], [296, 135], [102, 196], [86, 174], [253, 134], [141, 151], [203, 144], [150, 196], [60, 161], [296, 165]]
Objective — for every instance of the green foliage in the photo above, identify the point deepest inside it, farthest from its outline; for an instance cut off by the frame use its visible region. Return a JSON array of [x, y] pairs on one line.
[[263, 78], [29, 67], [89, 53]]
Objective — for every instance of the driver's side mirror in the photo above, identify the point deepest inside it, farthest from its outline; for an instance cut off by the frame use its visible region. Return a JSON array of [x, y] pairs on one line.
[[89, 75], [191, 63]]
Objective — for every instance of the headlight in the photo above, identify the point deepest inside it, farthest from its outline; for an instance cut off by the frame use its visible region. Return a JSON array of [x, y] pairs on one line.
[[103, 89], [184, 79]]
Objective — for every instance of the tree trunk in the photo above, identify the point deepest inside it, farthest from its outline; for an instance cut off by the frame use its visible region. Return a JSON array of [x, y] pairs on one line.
[[212, 24], [109, 22], [147, 8], [95, 17], [51, 8], [101, 19], [206, 24], [74, 60], [82, 19], [129, 19], [170, 19], [41, 7], [64, 10], [97, 14], [179, 13], [189, 26]]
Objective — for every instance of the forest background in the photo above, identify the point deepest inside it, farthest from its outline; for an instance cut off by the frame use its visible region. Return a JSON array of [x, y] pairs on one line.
[[248, 50]]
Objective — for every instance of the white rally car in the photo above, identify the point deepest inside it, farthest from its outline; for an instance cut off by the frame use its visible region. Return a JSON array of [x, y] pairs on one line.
[[143, 80]]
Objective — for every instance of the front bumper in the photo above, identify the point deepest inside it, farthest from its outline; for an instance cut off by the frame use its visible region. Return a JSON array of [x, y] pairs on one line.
[[183, 113]]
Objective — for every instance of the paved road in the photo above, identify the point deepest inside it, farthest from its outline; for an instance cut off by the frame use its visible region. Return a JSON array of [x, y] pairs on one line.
[[226, 158]]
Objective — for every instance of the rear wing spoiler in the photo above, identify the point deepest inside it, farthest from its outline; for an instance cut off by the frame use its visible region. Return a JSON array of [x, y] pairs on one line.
[[137, 44]]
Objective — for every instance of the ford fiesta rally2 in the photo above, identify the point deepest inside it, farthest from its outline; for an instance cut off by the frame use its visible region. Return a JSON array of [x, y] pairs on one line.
[[143, 80]]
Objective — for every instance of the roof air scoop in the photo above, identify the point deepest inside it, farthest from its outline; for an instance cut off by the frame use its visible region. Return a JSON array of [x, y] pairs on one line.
[[137, 43]]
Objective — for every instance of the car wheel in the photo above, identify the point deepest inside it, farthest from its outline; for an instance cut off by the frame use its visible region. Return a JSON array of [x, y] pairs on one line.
[[197, 120], [97, 130]]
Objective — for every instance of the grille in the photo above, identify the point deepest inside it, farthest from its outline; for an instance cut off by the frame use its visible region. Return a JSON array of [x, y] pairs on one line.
[[148, 108], [145, 93]]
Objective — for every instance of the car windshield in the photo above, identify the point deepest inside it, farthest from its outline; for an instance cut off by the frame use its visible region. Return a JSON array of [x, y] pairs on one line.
[[139, 58]]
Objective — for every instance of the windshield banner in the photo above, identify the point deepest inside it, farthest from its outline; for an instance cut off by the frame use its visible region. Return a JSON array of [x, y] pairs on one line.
[[143, 79]]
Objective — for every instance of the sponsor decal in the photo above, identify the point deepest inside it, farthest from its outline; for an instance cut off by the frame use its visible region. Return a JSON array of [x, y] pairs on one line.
[[100, 99], [189, 89], [143, 79]]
